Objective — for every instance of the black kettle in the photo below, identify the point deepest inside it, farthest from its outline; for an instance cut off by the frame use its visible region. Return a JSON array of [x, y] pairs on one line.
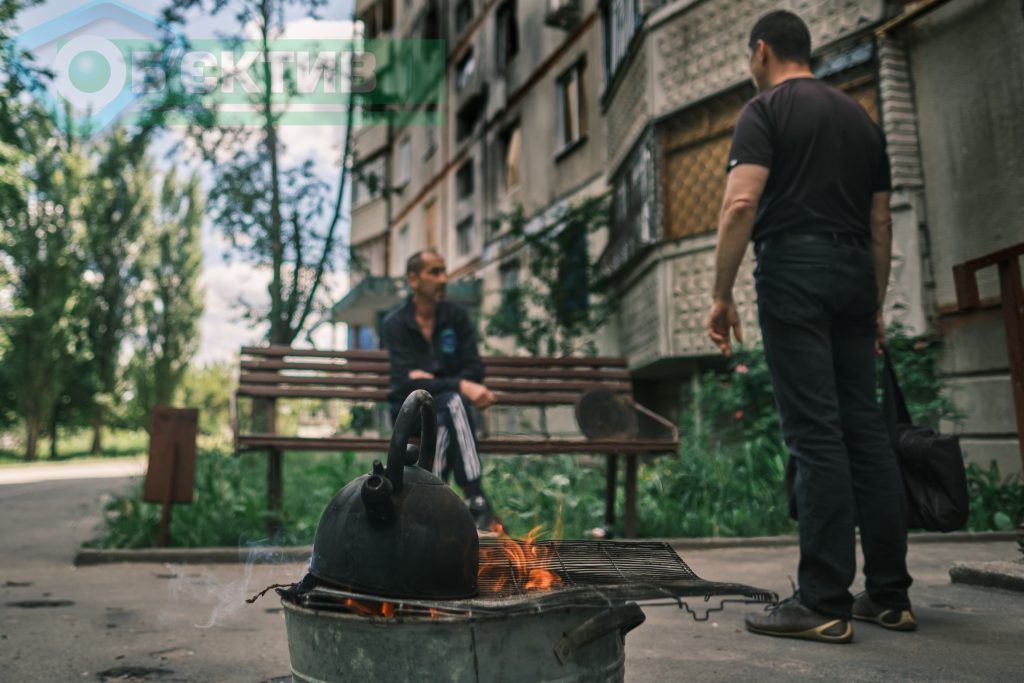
[[400, 531]]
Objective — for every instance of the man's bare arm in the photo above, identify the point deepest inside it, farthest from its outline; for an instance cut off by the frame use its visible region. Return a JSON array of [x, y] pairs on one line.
[[735, 225], [881, 241], [881, 251]]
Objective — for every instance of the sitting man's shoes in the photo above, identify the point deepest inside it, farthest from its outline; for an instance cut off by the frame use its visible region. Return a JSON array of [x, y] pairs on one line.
[[487, 523], [892, 618], [790, 619]]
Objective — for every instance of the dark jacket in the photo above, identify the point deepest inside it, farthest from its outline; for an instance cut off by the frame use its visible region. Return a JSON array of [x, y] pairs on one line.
[[450, 356]]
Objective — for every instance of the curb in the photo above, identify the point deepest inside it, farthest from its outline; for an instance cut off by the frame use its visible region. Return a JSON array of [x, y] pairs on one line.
[[85, 557], [793, 540], [1005, 575]]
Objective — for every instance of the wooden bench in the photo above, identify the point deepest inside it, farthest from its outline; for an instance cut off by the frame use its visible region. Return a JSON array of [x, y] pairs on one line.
[[276, 372]]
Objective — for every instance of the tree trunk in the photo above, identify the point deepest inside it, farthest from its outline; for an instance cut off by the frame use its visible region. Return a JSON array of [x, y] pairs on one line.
[[97, 435], [53, 439], [32, 440]]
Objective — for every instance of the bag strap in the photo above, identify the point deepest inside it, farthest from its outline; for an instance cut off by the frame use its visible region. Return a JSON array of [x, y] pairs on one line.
[[894, 406]]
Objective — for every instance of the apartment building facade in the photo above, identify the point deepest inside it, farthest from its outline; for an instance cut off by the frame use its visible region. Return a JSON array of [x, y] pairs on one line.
[[550, 101], [520, 128]]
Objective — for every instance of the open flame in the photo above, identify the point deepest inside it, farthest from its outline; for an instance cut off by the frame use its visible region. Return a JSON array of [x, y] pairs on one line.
[[370, 609], [524, 563]]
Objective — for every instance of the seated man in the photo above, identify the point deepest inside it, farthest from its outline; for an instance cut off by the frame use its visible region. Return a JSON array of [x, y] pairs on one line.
[[431, 344]]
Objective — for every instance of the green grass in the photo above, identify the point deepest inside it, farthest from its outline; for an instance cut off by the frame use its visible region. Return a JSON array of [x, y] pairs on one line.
[[75, 445]]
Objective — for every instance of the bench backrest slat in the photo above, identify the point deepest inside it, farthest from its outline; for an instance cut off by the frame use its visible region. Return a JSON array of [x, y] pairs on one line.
[[506, 385], [377, 355], [493, 371], [504, 398], [285, 372], [357, 366]]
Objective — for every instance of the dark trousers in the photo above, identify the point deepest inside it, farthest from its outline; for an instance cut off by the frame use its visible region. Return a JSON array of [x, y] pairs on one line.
[[816, 305]]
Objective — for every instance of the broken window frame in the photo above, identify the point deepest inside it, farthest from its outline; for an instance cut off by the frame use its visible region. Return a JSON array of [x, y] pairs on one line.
[[570, 109]]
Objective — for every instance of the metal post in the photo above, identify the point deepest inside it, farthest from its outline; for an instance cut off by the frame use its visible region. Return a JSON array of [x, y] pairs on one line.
[[1013, 317], [165, 516], [631, 468], [274, 468], [1012, 301], [609, 489]]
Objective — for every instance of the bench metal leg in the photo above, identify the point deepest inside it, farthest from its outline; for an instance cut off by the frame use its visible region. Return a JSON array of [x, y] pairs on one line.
[[274, 490], [609, 490], [631, 468]]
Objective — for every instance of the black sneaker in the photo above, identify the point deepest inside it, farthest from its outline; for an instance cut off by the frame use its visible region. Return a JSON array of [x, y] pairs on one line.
[[487, 523], [892, 618], [790, 619]]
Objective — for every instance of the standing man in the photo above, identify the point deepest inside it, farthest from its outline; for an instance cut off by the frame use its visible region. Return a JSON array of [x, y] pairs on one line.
[[809, 182], [432, 345]]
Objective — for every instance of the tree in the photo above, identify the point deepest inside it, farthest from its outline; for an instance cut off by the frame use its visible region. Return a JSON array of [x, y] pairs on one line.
[[559, 308], [209, 389], [7, 313], [171, 301], [117, 209], [42, 241], [275, 217]]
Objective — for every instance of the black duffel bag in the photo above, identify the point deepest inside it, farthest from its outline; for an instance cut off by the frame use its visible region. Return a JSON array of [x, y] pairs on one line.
[[932, 465]]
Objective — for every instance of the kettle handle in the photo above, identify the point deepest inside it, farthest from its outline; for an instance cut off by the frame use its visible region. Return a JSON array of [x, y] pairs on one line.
[[418, 402]]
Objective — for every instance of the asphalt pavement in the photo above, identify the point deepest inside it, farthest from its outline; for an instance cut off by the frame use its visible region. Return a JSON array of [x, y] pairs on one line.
[[189, 622]]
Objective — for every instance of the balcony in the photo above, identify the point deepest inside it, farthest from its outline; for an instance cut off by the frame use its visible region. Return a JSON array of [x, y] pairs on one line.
[[663, 302]]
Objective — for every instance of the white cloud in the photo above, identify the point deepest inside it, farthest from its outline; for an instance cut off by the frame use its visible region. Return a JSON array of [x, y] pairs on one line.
[[221, 329]]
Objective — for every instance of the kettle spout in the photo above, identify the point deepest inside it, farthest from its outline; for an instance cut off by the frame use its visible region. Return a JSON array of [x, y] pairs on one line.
[[376, 494]]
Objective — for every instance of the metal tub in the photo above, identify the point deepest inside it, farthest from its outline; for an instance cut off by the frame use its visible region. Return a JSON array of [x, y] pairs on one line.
[[577, 643]]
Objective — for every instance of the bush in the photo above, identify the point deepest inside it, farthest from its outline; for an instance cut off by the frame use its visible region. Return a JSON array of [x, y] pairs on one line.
[[997, 502]]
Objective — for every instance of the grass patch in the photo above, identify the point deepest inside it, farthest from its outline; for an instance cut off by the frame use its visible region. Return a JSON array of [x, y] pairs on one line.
[[75, 445]]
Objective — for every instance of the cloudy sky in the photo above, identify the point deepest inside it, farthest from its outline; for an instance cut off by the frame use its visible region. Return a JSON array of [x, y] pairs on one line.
[[225, 281]]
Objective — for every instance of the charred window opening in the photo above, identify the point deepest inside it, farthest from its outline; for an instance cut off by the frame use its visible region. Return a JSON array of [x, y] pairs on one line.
[[464, 234], [506, 34], [469, 115], [463, 14]]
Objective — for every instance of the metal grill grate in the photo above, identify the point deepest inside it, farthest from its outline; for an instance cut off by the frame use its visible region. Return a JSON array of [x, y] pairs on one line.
[[507, 566], [517, 577]]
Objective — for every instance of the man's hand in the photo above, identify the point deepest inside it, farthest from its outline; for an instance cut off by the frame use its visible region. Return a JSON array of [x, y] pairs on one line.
[[477, 393], [721, 318], [880, 332], [420, 374]]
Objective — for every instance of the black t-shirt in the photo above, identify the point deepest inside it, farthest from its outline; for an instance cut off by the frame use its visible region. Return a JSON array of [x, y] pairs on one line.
[[825, 155]]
